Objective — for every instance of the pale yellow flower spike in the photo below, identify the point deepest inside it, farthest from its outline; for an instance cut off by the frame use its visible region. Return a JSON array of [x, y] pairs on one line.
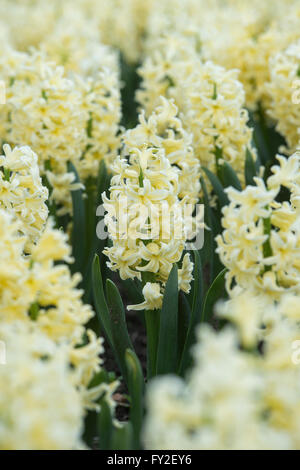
[[156, 178], [42, 319], [73, 116], [260, 244], [210, 99]]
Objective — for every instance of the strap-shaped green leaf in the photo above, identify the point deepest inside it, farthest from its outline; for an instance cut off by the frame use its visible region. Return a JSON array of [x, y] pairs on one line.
[[152, 320], [198, 287], [213, 294], [95, 245], [103, 180], [196, 312], [99, 299], [217, 186], [78, 232], [133, 290], [119, 331], [168, 331], [230, 177], [208, 251], [136, 391], [250, 169], [105, 425], [122, 437], [184, 318]]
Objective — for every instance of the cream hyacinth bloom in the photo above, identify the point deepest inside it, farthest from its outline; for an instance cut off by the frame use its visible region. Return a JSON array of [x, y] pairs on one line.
[[164, 129], [119, 23], [231, 36], [260, 244], [283, 89], [210, 99], [75, 43], [126, 29], [170, 58], [71, 118], [247, 401], [215, 409], [151, 182], [38, 293], [234, 34], [28, 21], [42, 322], [21, 190], [245, 35], [37, 288], [40, 409]]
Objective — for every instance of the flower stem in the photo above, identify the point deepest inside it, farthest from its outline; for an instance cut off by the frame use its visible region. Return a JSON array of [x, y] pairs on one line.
[[152, 327]]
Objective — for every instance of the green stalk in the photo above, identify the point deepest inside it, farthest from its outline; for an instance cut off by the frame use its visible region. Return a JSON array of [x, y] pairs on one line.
[[152, 329], [267, 249], [6, 174]]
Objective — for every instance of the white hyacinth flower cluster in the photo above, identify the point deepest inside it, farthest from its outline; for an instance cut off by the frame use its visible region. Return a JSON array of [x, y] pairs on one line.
[[72, 117], [251, 33], [232, 399], [210, 99], [52, 355], [151, 182], [260, 244], [40, 408], [21, 191], [284, 92]]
